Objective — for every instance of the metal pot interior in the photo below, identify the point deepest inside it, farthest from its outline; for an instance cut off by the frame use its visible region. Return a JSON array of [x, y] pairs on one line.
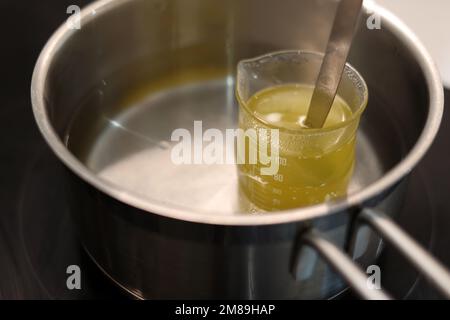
[[137, 70]]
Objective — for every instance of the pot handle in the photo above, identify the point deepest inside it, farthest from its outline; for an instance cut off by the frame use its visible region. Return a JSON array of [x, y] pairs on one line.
[[424, 262]]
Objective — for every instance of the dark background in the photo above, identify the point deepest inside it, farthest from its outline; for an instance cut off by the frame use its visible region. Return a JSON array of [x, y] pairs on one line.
[[26, 25], [37, 241]]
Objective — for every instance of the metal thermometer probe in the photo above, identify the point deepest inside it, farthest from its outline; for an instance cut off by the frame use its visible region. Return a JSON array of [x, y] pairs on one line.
[[333, 64]]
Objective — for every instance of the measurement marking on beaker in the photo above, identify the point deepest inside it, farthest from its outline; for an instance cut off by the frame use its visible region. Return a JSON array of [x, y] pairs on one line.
[[278, 177], [282, 161], [277, 191]]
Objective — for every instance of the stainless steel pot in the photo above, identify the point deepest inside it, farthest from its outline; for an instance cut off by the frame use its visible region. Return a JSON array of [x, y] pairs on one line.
[[179, 233]]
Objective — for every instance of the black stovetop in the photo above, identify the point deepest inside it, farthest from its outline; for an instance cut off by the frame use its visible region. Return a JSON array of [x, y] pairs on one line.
[[37, 237]]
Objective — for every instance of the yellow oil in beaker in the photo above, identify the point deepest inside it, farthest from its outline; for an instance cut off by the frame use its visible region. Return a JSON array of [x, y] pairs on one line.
[[315, 165]]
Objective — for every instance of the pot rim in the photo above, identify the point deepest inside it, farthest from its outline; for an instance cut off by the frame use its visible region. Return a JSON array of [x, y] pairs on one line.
[[390, 21]]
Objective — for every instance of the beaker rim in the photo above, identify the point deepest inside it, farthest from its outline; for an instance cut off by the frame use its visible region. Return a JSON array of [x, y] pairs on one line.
[[340, 125]]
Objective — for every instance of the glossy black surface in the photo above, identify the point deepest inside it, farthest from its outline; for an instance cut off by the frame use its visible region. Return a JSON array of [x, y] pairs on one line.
[[37, 237]]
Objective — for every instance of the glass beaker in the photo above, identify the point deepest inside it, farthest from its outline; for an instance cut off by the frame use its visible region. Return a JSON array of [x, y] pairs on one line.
[[295, 166]]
